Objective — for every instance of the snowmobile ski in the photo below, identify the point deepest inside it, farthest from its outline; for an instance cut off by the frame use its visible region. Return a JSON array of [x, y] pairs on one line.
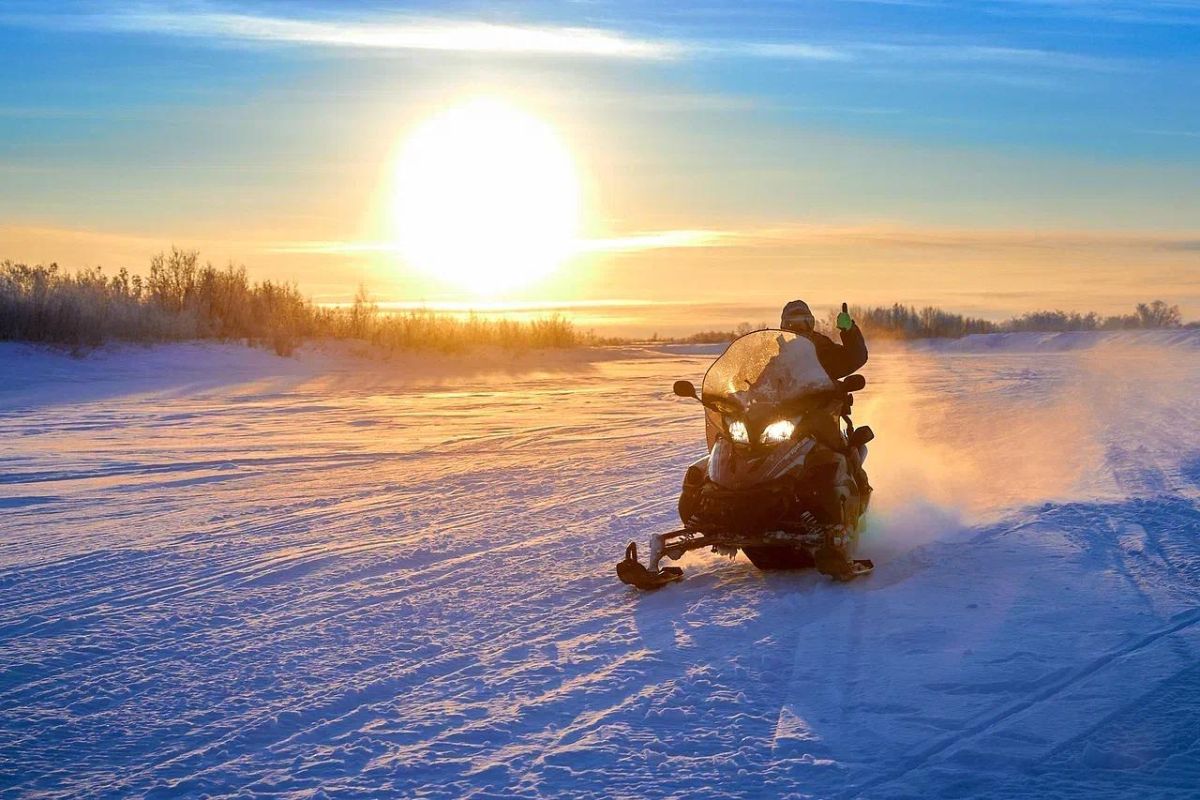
[[634, 573]]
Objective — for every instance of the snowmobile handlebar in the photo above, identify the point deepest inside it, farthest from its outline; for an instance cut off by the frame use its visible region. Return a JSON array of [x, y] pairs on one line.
[[685, 389], [851, 383]]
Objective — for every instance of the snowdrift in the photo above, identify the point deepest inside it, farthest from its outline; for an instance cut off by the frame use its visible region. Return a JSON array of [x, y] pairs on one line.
[[1185, 338]]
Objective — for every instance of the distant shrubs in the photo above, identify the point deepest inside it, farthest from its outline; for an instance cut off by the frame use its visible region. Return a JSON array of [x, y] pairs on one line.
[[1146, 316], [906, 322], [181, 299], [427, 330], [714, 336]]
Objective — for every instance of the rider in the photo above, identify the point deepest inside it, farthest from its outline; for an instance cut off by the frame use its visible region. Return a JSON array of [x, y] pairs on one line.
[[838, 360]]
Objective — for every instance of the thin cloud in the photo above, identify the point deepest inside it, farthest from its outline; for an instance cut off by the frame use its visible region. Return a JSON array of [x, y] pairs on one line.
[[988, 54], [401, 33], [659, 240], [1134, 12], [378, 34], [655, 240], [332, 248], [1185, 134], [881, 235], [784, 51], [396, 33], [37, 112], [907, 236], [875, 53]]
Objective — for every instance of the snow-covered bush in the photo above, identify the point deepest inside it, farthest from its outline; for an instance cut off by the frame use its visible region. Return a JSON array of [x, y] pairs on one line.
[[182, 299]]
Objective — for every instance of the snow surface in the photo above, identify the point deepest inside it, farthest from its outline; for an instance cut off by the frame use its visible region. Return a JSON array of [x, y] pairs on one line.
[[225, 573]]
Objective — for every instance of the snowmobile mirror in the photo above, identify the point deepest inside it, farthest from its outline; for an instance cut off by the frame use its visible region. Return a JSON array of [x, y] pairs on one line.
[[685, 389], [853, 383], [861, 436]]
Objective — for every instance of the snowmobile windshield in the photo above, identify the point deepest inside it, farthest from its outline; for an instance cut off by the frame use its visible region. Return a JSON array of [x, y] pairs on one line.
[[762, 370]]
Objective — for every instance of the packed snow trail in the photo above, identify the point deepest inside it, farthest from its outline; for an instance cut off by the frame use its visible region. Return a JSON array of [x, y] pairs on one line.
[[225, 573]]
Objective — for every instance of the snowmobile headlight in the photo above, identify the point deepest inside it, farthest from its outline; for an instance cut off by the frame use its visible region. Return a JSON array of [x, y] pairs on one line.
[[738, 432], [779, 431]]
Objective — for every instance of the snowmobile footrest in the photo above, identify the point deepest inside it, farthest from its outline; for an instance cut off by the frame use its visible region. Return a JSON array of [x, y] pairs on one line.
[[632, 572], [830, 562], [863, 565], [860, 566]]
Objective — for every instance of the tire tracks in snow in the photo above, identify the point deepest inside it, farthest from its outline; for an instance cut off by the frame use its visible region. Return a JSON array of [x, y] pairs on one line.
[[994, 719], [435, 574]]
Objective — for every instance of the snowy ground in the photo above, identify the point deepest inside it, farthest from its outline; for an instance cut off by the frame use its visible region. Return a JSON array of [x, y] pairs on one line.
[[227, 573]]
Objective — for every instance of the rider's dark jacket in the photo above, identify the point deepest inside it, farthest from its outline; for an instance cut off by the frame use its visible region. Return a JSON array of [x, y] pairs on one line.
[[839, 360]]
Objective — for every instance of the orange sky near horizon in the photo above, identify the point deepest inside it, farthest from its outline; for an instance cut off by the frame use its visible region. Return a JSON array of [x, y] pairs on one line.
[[990, 273]]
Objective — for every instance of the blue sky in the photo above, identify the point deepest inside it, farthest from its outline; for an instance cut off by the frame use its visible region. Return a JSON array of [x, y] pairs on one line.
[[873, 131]]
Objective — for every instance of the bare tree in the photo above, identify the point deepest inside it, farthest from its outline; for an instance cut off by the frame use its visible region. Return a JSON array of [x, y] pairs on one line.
[[1158, 315]]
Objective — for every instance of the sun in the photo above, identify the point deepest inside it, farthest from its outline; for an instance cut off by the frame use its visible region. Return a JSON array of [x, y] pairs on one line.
[[487, 197]]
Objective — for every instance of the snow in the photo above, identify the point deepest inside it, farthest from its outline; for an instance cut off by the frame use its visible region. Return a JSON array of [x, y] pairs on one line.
[[226, 573], [1070, 340]]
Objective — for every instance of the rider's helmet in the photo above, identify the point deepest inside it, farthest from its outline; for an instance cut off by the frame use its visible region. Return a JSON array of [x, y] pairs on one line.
[[797, 317]]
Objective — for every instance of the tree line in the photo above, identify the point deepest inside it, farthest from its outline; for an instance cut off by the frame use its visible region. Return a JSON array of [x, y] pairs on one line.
[[182, 299], [908, 322], [899, 321]]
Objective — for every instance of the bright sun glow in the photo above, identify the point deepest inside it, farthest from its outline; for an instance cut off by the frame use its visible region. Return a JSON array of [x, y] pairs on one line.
[[486, 197]]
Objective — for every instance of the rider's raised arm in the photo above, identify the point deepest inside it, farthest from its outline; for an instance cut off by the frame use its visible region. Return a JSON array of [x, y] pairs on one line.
[[840, 360], [854, 350]]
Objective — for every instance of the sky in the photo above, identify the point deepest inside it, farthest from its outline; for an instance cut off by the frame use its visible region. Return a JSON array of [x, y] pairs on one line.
[[990, 157]]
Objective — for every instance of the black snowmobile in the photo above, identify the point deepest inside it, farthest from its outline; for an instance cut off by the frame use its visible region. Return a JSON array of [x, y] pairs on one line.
[[783, 480]]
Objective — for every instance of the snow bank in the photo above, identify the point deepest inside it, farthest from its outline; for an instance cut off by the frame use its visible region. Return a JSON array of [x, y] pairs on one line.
[[1185, 338]]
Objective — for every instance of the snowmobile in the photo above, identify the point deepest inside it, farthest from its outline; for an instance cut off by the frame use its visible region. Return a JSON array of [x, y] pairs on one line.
[[783, 480]]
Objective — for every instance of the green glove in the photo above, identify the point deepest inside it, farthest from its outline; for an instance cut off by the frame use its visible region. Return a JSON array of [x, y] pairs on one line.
[[843, 321]]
